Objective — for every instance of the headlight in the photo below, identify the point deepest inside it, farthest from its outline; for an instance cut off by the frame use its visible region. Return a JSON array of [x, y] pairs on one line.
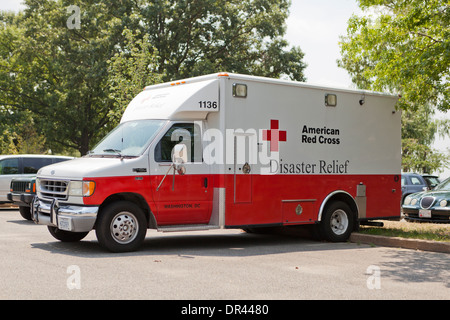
[[407, 200], [81, 188], [414, 202], [443, 203]]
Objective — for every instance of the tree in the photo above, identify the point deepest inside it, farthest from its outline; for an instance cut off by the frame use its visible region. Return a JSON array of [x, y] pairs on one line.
[[60, 72], [195, 37], [403, 46], [76, 64], [418, 134], [130, 71]]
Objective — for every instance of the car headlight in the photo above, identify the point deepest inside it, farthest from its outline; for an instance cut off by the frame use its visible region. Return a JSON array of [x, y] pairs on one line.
[[81, 188], [414, 201], [443, 203], [407, 200]]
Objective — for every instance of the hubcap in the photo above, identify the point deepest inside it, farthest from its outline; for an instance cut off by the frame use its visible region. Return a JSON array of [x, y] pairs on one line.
[[339, 222], [124, 227]]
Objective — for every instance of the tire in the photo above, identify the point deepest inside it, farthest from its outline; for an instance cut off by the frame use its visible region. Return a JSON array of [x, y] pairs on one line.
[[121, 227], [25, 212], [66, 236], [337, 222]]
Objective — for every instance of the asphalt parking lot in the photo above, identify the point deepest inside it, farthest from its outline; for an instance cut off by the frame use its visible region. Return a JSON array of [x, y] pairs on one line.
[[212, 265]]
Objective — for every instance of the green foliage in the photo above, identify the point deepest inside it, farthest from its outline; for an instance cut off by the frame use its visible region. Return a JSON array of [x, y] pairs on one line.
[[60, 74], [18, 134], [196, 37], [76, 80], [130, 71], [403, 46]]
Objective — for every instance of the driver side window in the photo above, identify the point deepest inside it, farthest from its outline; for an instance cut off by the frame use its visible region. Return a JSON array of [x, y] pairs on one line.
[[188, 134]]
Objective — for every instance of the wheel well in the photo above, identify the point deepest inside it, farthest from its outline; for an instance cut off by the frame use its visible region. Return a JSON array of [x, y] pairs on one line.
[[339, 196], [136, 199]]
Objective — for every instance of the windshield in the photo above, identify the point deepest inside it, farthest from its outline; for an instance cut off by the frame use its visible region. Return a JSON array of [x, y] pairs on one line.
[[128, 139], [445, 186]]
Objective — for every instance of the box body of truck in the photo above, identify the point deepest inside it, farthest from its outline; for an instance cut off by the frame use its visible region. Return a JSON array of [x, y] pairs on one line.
[[231, 151]]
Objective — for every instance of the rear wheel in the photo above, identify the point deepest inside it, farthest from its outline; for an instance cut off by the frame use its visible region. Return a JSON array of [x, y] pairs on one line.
[[337, 222], [121, 227]]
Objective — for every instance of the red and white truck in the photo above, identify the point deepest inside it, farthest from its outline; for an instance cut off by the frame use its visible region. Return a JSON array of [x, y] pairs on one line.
[[231, 151]]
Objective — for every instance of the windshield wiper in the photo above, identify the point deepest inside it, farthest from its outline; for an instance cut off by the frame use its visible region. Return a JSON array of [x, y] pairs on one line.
[[115, 151]]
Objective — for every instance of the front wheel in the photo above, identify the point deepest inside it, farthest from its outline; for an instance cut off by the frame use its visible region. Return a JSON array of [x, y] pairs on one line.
[[66, 236], [121, 227], [25, 212], [337, 222]]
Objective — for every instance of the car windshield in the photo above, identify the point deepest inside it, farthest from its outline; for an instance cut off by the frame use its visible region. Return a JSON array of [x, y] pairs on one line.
[[444, 186], [129, 139]]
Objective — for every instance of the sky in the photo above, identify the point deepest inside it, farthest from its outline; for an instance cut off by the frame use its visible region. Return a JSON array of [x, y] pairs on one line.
[[315, 26]]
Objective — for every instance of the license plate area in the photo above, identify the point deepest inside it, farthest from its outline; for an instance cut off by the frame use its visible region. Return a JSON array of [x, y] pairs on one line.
[[65, 223], [424, 213]]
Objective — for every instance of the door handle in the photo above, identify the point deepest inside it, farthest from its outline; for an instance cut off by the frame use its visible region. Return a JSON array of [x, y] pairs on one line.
[[205, 182]]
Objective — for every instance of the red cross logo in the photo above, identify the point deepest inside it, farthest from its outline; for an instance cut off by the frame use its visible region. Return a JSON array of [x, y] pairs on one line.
[[274, 135]]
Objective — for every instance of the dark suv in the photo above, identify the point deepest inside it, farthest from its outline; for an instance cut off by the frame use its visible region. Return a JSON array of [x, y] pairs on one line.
[[17, 175], [414, 182], [22, 194]]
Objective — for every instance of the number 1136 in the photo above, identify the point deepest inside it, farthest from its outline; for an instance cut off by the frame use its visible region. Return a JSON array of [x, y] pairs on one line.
[[208, 104]]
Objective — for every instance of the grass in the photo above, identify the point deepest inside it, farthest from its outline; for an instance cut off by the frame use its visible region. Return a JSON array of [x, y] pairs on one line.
[[411, 230]]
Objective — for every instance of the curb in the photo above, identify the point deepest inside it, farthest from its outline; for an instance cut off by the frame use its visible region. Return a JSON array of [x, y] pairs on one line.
[[424, 245]]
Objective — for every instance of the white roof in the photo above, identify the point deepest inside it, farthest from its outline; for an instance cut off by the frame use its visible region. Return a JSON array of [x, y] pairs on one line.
[[173, 101], [244, 77], [180, 99]]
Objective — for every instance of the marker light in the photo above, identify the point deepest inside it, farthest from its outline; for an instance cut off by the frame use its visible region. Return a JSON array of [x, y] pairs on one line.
[[239, 90], [330, 100]]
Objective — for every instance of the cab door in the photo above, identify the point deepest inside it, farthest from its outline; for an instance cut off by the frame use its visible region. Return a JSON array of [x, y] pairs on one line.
[[187, 198]]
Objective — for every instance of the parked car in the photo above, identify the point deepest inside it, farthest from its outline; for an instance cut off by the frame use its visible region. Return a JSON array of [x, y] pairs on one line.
[[17, 166], [431, 205], [412, 183], [22, 193], [431, 180]]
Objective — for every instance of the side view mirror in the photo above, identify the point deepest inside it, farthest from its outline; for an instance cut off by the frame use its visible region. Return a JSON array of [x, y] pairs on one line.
[[179, 157], [179, 154]]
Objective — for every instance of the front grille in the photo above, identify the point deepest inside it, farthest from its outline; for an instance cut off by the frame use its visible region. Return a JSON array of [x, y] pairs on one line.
[[19, 186], [427, 202], [57, 189]]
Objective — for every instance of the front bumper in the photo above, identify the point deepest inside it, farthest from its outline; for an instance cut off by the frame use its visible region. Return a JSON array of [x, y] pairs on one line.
[[437, 215], [74, 218], [21, 199]]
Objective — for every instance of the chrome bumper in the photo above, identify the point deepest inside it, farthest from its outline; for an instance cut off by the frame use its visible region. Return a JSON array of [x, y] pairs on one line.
[[72, 218]]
